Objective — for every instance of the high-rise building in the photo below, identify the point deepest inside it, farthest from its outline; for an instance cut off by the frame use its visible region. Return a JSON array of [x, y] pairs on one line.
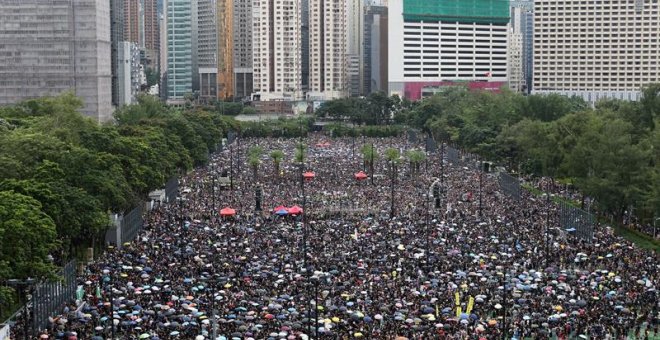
[[522, 22], [355, 46], [304, 38], [516, 75], [151, 34], [52, 46], [116, 38], [276, 42], [225, 51], [129, 72], [163, 57], [433, 44], [182, 77], [327, 50], [132, 21], [243, 49], [596, 49], [374, 58], [208, 27]]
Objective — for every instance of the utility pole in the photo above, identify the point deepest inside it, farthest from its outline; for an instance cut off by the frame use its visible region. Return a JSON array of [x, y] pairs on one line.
[[392, 170], [480, 187], [373, 169], [231, 167], [547, 225]]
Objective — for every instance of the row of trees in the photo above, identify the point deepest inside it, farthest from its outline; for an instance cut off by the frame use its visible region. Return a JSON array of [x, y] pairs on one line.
[[375, 109], [61, 173], [610, 152]]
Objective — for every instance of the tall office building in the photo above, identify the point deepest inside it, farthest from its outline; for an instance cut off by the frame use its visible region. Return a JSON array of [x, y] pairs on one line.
[[208, 27], [355, 46], [304, 38], [327, 50], [516, 75], [151, 34], [129, 72], [596, 49], [182, 77], [374, 58], [433, 44], [242, 49], [52, 46], [276, 42], [132, 21], [522, 21], [163, 57], [225, 52], [116, 38]]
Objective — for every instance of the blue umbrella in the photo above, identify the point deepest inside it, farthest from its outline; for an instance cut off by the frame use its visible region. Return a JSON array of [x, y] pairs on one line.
[[282, 212]]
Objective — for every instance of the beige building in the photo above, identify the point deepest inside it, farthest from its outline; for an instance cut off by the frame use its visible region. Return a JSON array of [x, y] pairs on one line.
[[596, 49], [328, 40], [276, 43], [46, 49]]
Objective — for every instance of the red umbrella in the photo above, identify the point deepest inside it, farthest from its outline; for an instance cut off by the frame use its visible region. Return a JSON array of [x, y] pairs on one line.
[[227, 212], [295, 210], [324, 144], [360, 176], [309, 175], [281, 207]]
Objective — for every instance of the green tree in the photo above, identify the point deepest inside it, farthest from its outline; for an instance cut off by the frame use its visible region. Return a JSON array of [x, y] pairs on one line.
[[369, 156], [415, 158], [277, 156], [27, 237], [254, 158]]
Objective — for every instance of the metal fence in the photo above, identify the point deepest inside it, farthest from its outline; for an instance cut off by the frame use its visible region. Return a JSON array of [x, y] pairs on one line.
[[577, 221], [509, 185], [453, 155], [412, 136], [171, 189], [49, 297], [231, 136], [126, 226], [132, 223], [431, 145]]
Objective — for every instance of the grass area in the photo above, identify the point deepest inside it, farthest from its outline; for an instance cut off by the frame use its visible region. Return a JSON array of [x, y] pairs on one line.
[[640, 239]]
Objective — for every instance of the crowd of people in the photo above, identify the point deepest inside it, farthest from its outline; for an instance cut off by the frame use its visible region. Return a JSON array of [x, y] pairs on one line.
[[359, 263]]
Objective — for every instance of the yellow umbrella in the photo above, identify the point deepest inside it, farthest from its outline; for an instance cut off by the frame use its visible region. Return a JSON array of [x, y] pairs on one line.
[[357, 335], [559, 308], [335, 319]]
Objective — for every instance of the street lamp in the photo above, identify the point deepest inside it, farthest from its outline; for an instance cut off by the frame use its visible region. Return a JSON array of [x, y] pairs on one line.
[[107, 283], [27, 285], [480, 187], [392, 171]]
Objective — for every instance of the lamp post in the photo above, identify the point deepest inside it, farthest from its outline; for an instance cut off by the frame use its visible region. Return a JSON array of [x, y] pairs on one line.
[[231, 167], [392, 171], [547, 225], [372, 163], [107, 283], [213, 174], [26, 286], [480, 188]]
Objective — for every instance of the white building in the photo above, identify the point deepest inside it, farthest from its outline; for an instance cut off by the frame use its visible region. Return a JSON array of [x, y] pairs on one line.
[[447, 43], [130, 73], [355, 47], [516, 75], [327, 50], [596, 49], [276, 42], [45, 50]]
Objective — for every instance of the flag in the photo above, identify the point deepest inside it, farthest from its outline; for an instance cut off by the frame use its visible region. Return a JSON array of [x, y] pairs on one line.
[[470, 305], [458, 311], [458, 298], [437, 311], [98, 292]]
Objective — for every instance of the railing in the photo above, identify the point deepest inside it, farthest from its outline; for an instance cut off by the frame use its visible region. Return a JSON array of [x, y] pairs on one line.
[[576, 220], [509, 185], [49, 297]]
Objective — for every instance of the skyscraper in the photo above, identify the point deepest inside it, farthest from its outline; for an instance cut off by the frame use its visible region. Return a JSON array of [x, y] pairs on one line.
[[209, 29], [182, 77], [116, 38], [132, 21], [276, 42], [374, 57], [433, 44], [225, 43], [355, 46], [596, 49], [151, 34], [52, 46], [327, 50], [522, 21], [243, 49]]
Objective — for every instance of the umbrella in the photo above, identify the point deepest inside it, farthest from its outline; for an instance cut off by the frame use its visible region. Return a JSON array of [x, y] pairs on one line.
[[309, 175], [295, 210], [227, 212], [361, 176], [282, 212]]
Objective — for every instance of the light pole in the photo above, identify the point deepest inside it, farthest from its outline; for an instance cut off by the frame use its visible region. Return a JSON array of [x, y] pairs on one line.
[[547, 225], [372, 163], [26, 286], [231, 168], [392, 171], [107, 280], [480, 187]]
